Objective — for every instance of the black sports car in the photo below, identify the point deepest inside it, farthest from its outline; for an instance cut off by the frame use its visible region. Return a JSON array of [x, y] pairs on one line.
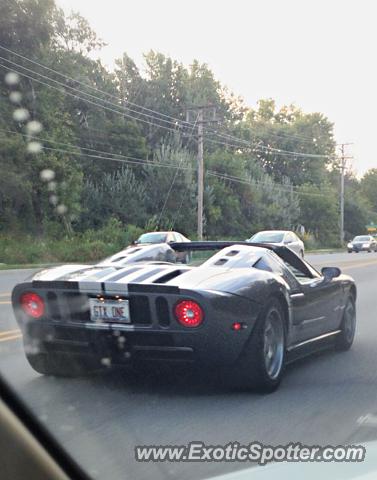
[[246, 310]]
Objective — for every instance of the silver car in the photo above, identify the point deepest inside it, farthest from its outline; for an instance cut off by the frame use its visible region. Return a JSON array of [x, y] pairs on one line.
[[280, 237], [362, 243]]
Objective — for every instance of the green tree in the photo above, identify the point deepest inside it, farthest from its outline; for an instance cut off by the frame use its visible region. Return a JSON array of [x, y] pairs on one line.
[[368, 186], [319, 212]]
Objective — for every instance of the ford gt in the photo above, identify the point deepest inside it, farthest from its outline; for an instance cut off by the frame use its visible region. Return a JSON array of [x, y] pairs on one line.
[[247, 310]]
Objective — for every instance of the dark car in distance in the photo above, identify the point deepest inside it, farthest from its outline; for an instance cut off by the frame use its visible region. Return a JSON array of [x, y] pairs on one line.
[[362, 243]]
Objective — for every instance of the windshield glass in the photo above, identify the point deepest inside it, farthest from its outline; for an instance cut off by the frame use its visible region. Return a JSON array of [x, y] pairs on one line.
[[268, 237], [152, 238], [127, 125]]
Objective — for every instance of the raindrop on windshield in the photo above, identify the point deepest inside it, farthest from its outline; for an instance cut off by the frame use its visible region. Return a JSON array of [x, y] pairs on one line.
[[47, 175], [12, 78], [106, 361], [33, 127], [34, 147], [21, 115], [61, 209], [53, 199], [15, 97]]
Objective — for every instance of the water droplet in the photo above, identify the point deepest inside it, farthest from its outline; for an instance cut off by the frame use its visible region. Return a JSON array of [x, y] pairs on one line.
[[61, 209], [47, 175], [34, 127], [106, 361], [51, 186], [34, 147], [12, 78], [53, 199], [15, 97], [21, 115]]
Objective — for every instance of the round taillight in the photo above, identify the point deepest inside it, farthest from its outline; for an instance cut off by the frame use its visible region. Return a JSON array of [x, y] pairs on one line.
[[32, 304], [189, 313]]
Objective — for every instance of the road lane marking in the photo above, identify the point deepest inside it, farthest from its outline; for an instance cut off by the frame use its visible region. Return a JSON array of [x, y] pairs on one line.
[[9, 332], [350, 266], [10, 337], [6, 302], [360, 264], [5, 294], [369, 420]]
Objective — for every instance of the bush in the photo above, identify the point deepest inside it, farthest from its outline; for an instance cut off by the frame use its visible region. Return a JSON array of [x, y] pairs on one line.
[[90, 246]]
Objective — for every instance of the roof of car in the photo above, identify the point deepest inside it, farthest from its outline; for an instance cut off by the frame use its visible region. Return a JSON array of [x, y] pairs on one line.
[[275, 231], [161, 233]]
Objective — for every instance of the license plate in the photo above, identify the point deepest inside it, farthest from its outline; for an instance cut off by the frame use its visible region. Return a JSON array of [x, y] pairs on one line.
[[109, 310]]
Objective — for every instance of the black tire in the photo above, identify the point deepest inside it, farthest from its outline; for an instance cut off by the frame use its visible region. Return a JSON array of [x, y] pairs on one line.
[[349, 251], [60, 365], [252, 371], [348, 326]]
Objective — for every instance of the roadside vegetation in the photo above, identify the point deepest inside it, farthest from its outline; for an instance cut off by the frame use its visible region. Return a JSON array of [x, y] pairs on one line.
[[123, 152]]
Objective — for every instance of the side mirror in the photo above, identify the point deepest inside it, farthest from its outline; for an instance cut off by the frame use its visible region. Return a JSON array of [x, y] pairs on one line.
[[330, 272]]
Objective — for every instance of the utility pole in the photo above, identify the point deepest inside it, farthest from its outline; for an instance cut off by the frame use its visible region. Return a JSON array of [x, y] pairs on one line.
[[200, 174], [200, 121], [343, 160]]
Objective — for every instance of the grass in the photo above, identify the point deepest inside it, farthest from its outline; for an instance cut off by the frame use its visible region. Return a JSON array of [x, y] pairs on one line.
[[19, 266]]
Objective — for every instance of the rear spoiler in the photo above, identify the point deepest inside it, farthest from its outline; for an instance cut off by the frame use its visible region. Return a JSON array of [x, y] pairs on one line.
[[285, 253], [216, 245]]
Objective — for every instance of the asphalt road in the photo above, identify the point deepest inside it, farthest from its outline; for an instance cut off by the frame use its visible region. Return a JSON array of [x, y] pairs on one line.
[[327, 399]]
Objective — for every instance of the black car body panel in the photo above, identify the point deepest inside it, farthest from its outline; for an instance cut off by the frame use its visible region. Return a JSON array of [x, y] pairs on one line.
[[231, 287]]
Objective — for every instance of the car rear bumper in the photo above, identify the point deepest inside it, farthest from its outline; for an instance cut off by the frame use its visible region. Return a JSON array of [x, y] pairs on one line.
[[356, 248], [215, 342]]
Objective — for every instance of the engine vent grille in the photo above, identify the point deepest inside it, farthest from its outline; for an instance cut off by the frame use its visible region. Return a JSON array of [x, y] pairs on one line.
[[162, 308], [140, 311]]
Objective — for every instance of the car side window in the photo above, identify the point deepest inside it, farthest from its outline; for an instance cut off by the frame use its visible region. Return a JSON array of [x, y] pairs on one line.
[[170, 237], [269, 264], [301, 276], [290, 238], [264, 263]]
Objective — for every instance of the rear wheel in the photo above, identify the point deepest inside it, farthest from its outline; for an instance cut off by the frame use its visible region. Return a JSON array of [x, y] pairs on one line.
[[60, 365], [261, 365], [348, 326]]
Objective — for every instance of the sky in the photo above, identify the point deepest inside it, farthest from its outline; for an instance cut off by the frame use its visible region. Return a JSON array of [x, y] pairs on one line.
[[317, 54]]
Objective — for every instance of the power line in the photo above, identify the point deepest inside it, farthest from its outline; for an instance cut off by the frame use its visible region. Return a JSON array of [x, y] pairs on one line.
[[267, 149], [172, 183], [142, 162], [75, 95], [116, 157], [275, 186], [108, 94], [90, 86]]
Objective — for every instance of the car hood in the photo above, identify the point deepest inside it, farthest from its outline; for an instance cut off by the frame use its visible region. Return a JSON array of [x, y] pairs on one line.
[[366, 470], [155, 272]]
